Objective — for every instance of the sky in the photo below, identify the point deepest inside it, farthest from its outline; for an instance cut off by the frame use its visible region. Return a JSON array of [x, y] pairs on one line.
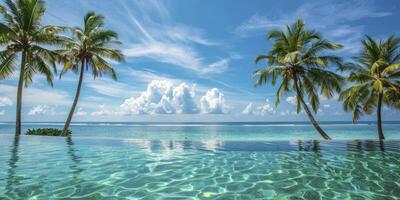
[[192, 60]]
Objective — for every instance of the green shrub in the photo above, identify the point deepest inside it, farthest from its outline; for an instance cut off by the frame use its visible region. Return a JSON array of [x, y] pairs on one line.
[[48, 132]]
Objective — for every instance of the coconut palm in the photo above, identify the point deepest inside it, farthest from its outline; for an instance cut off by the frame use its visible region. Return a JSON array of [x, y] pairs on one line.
[[376, 79], [298, 62], [22, 36], [89, 50]]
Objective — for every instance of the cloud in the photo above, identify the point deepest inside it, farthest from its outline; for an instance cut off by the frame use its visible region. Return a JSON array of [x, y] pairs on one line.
[[8, 89], [288, 112], [326, 106], [263, 109], [81, 112], [105, 111], [257, 22], [213, 102], [292, 100], [2, 112], [249, 109], [167, 97], [329, 17], [147, 75], [53, 96], [177, 54], [217, 67], [183, 99], [5, 101], [42, 110], [235, 56], [35, 95], [163, 97], [161, 39], [110, 88], [266, 108], [187, 33]]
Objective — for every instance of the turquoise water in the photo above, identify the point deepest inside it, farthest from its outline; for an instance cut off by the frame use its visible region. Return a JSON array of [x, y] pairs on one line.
[[220, 131], [128, 162]]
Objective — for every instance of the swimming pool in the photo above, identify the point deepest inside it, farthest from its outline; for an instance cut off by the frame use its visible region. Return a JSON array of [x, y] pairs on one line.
[[36, 167]]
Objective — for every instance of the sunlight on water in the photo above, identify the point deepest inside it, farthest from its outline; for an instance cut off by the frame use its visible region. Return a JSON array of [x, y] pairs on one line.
[[50, 167]]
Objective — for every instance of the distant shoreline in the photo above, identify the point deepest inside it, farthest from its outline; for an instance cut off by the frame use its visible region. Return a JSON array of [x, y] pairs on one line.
[[206, 123]]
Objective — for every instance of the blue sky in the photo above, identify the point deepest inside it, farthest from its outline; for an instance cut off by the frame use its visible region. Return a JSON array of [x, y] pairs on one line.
[[192, 60]]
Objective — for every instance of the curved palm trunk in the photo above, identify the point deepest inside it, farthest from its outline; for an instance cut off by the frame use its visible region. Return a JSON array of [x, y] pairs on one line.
[[379, 117], [309, 114], [78, 92], [19, 95]]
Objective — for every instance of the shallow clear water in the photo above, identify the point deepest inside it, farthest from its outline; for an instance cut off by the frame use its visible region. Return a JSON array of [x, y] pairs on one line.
[[86, 168], [239, 161]]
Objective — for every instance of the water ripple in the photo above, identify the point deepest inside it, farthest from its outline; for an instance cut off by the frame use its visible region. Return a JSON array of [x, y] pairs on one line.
[[55, 168]]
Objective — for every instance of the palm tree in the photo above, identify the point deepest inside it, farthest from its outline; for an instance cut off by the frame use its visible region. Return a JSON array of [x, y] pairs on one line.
[[22, 32], [89, 49], [376, 78], [297, 59]]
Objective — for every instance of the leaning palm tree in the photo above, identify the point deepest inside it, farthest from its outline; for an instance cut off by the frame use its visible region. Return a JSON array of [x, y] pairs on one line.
[[298, 61], [376, 78], [88, 50], [23, 36]]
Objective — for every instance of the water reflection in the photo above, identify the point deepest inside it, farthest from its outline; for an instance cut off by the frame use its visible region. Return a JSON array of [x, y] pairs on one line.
[[313, 145], [174, 147], [74, 166], [366, 145], [160, 149], [11, 180], [211, 145]]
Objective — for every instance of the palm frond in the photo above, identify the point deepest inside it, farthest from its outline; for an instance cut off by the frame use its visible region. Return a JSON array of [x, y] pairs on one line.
[[284, 87], [264, 57], [311, 93], [100, 65], [7, 64], [268, 73]]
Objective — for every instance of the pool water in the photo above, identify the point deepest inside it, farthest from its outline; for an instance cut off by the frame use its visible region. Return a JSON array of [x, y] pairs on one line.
[[36, 167]]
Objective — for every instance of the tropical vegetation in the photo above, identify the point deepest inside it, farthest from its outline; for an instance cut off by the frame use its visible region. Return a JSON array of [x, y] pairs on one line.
[[89, 50], [48, 132], [23, 37], [299, 62], [375, 79]]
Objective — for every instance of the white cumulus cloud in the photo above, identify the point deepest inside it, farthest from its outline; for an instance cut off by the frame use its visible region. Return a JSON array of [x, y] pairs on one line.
[[42, 110], [183, 99], [105, 111], [163, 97], [5, 101], [292, 100], [213, 102], [81, 112], [263, 109], [167, 97]]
